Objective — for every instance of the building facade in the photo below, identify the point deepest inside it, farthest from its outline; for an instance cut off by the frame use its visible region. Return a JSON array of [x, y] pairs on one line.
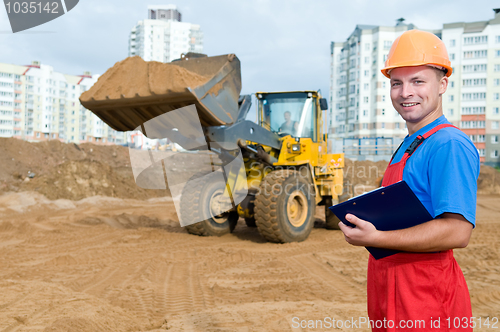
[[38, 103], [163, 37], [472, 101], [360, 105]]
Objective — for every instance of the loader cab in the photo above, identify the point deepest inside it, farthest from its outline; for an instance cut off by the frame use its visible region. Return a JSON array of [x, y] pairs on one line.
[[290, 113]]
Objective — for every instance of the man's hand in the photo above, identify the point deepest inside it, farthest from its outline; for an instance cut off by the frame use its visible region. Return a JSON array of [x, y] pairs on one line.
[[450, 231], [364, 234]]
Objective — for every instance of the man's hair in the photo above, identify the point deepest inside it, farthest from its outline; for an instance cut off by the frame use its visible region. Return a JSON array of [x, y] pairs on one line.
[[288, 112], [440, 73]]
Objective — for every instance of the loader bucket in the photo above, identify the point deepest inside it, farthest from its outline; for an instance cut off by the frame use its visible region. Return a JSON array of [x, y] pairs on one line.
[[134, 91]]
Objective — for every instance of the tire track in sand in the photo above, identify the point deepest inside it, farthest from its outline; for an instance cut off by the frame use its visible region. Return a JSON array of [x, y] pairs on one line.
[[327, 276], [184, 292]]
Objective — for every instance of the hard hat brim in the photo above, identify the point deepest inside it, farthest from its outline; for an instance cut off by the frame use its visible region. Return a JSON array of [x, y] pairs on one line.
[[386, 70]]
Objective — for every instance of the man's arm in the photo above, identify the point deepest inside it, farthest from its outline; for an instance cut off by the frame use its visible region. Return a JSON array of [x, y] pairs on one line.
[[449, 232]]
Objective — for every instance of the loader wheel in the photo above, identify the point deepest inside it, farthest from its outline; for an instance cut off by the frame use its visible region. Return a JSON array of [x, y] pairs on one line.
[[198, 202], [331, 220], [284, 207]]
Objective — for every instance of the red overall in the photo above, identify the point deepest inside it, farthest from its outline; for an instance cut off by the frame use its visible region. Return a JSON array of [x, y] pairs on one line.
[[407, 288]]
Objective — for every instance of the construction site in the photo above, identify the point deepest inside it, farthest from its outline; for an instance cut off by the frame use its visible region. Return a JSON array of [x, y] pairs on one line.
[[100, 238], [85, 249]]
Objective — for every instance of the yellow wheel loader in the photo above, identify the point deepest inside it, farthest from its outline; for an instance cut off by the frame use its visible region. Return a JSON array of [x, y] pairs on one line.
[[285, 170]]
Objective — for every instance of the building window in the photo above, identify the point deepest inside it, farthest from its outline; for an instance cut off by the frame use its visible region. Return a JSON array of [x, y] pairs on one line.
[[366, 86], [494, 139], [497, 54], [474, 82], [474, 110], [365, 125], [450, 111], [476, 40], [481, 152], [496, 110], [383, 124], [396, 125], [474, 68], [472, 124], [497, 39], [474, 96], [452, 42], [496, 81], [452, 84], [383, 97], [365, 113], [494, 124], [452, 56], [496, 68], [494, 154], [496, 96], [367, 73], [450, 98], [475, 54], [365, 99], [367, 46], [383, 111], [367, 59]]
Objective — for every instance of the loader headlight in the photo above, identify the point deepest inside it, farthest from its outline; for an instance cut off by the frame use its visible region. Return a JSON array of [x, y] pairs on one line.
[[295, 147]]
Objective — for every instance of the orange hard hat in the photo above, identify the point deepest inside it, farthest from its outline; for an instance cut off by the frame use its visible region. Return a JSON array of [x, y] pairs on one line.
[[417, 48]]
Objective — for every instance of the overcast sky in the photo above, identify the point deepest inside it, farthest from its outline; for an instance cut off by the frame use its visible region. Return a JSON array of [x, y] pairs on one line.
[[282, 45]]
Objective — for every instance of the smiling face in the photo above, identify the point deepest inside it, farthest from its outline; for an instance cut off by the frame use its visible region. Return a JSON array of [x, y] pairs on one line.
[[416, 94]]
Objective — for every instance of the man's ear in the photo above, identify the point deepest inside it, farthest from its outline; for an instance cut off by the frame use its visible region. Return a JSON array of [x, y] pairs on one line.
[[443, 85]]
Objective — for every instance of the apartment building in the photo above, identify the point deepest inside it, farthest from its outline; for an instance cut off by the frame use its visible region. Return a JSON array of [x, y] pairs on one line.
[[360, 104], [38, 103], [472, 101], [163, 37]]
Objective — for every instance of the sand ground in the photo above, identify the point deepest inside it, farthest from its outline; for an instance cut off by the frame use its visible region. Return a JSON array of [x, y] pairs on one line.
[[112, 264]]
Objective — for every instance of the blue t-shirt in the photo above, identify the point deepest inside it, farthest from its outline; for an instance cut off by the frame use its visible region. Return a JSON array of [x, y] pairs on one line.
[[443, 171]]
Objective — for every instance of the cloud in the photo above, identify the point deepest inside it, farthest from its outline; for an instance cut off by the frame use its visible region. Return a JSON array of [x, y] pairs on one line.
[[282, 44]]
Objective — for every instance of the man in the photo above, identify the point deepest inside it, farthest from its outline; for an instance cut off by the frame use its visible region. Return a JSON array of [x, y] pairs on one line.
[[289, 126], [423, 283]]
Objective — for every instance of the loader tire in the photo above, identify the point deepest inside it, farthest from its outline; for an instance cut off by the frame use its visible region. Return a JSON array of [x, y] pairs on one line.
[[196, 199], [285, 206], [331, 220]]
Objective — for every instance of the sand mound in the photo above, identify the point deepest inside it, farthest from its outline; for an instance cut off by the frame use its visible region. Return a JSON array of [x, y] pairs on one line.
[[135, 77], [488, 181], [361, 176], [78, 179], [75, 172], [69, 171]]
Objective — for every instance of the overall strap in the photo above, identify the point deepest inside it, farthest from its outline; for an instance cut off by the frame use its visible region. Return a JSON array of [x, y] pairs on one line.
[[420, 138], [394, 154]]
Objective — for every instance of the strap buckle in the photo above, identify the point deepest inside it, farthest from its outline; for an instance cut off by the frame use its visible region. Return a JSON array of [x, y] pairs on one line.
[[414, 145]]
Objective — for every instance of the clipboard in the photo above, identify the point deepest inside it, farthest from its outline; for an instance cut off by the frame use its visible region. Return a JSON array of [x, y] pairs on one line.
[[387, 208]]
